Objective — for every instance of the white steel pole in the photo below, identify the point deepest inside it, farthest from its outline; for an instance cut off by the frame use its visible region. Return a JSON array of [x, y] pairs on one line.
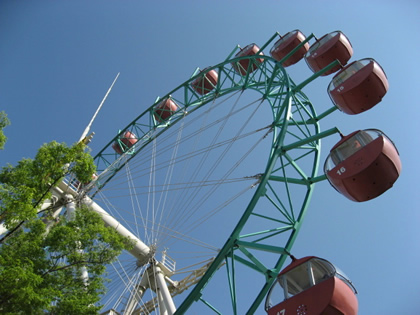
[[71, 213], [3, 229], [161, 304], [50, 223], [84, 134], [137, 294], [140, 250], [162, 288]]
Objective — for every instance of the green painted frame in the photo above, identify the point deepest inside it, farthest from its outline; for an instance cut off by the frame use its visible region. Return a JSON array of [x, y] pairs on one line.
[[294, 140]]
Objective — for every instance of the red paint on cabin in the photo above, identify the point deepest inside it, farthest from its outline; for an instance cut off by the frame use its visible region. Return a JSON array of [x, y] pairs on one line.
[[358, 87], [241, 66], [328, 48], [363, 165], [126, 141], [311, 286], [286, 44], [164, 110], [206, 83]]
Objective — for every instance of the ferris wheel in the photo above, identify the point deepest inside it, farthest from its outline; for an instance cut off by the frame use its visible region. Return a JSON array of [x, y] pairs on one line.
[[213, 180]]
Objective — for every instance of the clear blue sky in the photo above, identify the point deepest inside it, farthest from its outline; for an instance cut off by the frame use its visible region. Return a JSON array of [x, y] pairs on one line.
[[58, 58]]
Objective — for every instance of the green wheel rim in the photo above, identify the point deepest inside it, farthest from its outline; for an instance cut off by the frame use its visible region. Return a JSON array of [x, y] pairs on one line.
[[283, 191]]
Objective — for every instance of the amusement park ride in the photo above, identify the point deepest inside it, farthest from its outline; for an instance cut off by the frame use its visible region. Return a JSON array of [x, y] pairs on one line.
[[361, 166]]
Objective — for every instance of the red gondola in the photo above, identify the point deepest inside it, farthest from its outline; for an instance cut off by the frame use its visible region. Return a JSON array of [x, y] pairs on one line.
[[242, 65], [164, 110], [286, 44], [311, 285], [126, 141], [359, 86], [206, 83], [363, 165], [330, 47]]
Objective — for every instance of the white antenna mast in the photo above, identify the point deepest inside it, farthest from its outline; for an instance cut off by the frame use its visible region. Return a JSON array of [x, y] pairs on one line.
[[83, 137]]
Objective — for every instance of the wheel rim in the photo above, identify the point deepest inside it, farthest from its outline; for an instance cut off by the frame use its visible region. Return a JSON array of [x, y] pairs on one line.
[[264, 235]]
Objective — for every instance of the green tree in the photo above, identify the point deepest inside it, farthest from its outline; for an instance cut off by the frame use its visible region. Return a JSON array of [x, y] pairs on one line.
[[4, 122], [40, 270]]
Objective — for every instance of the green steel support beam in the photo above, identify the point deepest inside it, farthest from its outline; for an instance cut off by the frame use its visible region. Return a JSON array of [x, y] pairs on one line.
[[268, 218], [326, 113], [230, 269], [313, 138], [210, 306], [263, 269], [262, 247], [300, 86], [248, 264], [319, 178], [298, 181], [268, 42]]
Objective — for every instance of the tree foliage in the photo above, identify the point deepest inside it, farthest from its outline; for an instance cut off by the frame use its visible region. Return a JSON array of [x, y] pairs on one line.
[[40, 268], [4, 122], [23, 188]]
